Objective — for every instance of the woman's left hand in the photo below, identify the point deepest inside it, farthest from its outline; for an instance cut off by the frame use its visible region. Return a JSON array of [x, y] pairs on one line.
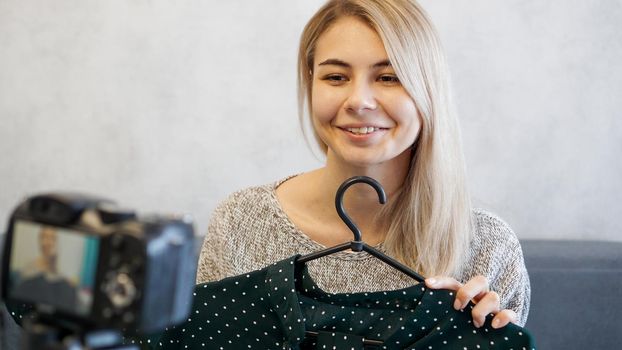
[[478, 291]]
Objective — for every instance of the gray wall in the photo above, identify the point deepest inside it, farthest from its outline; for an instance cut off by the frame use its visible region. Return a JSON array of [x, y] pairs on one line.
[[169, 106]]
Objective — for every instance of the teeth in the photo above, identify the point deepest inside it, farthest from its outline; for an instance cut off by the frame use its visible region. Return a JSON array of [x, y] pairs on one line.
[[363, 130]]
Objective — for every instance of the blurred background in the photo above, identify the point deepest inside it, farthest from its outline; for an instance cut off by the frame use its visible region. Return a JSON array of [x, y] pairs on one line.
[[170, 106]]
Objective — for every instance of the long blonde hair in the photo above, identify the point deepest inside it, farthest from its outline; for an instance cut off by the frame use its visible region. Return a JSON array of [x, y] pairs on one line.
[[429, 221]]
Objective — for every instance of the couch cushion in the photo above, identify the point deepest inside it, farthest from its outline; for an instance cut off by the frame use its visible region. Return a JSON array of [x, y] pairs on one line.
[[576, 289]]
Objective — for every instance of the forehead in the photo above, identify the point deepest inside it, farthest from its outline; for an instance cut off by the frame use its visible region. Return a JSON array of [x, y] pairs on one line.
[[47, 232], [351, 40]]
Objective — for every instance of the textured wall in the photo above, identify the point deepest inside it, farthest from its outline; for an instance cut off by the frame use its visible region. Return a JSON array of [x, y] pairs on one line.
[[169, 106]]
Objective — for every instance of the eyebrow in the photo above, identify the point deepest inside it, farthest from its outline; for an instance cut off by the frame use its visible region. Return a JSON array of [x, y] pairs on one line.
[[338, 62]]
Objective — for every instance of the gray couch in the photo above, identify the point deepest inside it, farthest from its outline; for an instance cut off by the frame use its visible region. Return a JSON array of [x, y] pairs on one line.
[[576, 299], [576, 294]]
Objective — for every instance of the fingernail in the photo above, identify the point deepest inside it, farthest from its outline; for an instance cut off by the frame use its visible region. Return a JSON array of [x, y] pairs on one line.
[[476, 324], [430, 281], [495, 323], [457, 304]]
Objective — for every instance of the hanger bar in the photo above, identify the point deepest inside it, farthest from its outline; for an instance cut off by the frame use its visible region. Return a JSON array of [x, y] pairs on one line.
[[311, 334], [396, 264], [358, 246], [324, 252]]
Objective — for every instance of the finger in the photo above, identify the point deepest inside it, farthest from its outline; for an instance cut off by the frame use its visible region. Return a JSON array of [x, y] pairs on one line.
[[503, 318], [441, 282], [474, 289], [488, 304]]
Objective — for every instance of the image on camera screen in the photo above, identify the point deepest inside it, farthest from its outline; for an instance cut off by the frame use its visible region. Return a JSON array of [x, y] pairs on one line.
[[53, 266]]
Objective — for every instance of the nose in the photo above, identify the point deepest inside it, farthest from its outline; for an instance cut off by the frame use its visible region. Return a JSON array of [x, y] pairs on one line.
[[361, 98]]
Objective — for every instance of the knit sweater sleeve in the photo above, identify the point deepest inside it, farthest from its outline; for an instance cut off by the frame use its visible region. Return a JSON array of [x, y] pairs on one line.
[[515, 285], [214, 264], [496, 254]]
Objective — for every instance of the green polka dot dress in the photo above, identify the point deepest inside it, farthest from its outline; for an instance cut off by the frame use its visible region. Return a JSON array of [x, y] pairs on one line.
[[274, 307]]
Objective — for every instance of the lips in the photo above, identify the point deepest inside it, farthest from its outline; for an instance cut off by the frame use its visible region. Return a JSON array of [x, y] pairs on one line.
[[363, 130]]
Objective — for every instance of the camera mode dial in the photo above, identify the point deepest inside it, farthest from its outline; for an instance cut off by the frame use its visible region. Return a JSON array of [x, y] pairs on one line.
[[120, 290]]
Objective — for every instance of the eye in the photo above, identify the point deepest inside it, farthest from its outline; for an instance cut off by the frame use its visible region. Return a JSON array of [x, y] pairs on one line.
[[389, 79], [335, 79]]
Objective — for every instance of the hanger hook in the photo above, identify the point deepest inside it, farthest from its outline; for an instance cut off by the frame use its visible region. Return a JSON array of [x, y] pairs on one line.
[[382, 198]]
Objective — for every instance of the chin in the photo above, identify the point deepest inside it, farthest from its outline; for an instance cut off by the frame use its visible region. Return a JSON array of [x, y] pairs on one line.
[[363, 162], [376, 160]]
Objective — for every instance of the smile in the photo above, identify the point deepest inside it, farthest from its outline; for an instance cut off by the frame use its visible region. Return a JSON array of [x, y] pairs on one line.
[[363, 130]]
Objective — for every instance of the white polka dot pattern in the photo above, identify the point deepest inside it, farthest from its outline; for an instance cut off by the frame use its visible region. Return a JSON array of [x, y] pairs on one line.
[[273, 307]]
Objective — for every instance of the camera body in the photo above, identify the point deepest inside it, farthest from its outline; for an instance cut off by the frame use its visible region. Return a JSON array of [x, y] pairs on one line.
[[81, 261]]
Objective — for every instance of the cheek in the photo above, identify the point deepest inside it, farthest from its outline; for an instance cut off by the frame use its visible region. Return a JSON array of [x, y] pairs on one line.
[[324, 105], [406, 114]]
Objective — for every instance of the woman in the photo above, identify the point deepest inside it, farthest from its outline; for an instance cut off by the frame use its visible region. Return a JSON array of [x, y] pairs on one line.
[[42, 274], [373, 78]]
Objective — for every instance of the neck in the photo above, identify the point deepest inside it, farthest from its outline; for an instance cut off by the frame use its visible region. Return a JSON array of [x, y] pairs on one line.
[[390, 175], [48, 264], [361, 200]]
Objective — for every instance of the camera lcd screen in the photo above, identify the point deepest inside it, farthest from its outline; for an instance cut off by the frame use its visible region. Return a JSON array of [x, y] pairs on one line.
[[53, 266]]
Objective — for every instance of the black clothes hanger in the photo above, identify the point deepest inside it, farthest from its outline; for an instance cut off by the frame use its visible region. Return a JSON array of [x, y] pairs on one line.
[[357, 245]]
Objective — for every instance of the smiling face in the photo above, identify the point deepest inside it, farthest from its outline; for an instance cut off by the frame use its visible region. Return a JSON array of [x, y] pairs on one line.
[[359, 108]]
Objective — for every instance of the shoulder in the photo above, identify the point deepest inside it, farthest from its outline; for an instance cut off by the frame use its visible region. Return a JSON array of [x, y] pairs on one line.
[[493, 246], [248, 196], [248, 202], [241, 232], [31, 269], [490, 229]]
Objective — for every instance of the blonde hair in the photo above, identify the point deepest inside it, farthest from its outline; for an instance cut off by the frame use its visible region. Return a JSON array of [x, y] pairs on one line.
[[429, 221]]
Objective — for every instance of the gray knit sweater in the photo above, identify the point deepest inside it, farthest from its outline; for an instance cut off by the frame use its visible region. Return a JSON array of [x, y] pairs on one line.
[[250, 230]]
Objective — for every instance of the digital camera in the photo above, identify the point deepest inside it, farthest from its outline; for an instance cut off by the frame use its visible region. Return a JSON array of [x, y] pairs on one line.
[[80, 260]]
